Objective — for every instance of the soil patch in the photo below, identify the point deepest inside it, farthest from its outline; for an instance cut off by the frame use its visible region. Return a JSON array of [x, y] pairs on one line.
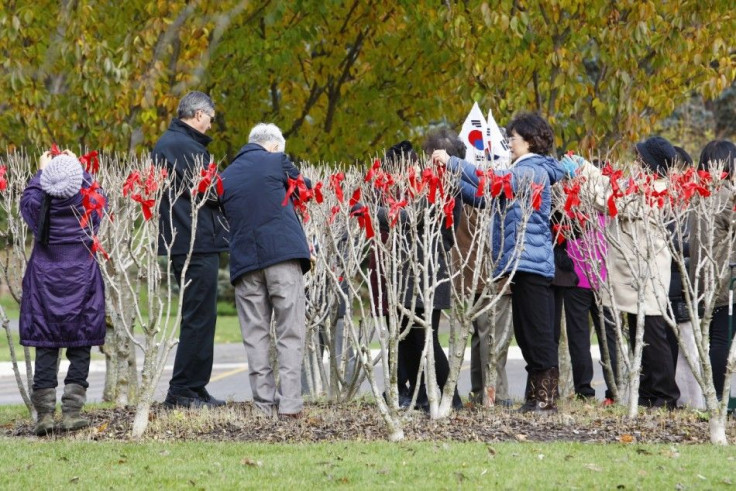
[[323, 422]]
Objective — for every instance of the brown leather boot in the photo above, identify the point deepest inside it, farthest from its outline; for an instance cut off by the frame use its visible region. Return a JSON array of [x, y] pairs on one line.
[[530, 396], [546, 390]]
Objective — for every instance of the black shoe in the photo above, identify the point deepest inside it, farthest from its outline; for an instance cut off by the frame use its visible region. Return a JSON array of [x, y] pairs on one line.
[[192, 401], [211, 401]]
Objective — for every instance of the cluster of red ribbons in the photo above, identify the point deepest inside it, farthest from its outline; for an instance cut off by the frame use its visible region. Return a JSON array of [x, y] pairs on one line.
[[207, 176], [300, 195], [361, 212], [142, 190], [497, 184], [3, 179]]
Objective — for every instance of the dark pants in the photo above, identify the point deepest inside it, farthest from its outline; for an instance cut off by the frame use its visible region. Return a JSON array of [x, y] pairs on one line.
[[410, 355], [195, 351], [533, 310], [47, 363], [579, 303], [719, 344], [657, 385]]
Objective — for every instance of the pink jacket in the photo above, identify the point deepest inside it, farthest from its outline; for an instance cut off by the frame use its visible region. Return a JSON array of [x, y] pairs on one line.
[[588, 252]]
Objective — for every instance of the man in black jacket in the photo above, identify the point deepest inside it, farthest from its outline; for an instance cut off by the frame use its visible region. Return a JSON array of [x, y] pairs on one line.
[[183, 150], [268, 256]]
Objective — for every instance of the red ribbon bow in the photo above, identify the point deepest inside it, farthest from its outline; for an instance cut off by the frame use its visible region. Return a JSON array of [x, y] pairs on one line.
[[364, 220], [207, 176], [394, 209], [374, 168], [91, 162], [501, 183]]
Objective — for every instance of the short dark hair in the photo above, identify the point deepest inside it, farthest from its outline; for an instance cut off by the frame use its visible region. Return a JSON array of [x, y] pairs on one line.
[[683, 157], [400, 153], [718, 151], [535, 130], [444, 138]]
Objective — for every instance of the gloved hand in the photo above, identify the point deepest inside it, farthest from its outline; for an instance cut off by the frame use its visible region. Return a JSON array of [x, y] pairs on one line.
[[571, 164]]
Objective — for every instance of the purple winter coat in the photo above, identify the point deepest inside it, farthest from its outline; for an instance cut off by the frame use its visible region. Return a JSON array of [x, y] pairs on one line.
[[63, 302]]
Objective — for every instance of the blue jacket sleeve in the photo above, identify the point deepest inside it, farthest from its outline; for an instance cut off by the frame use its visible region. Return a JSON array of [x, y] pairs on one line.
[[468, 181]]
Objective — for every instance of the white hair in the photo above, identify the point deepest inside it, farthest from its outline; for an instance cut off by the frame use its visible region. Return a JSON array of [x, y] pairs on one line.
[[264, 133]]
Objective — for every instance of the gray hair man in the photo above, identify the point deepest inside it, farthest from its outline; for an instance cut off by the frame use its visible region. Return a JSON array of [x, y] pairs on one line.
[[268, 257]]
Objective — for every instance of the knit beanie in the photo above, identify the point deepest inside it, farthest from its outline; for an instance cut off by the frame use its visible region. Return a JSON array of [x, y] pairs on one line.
[[62, 177], [657, 153]]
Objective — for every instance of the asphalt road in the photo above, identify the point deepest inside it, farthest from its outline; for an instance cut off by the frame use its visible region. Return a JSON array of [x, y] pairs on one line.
[[230, 376]]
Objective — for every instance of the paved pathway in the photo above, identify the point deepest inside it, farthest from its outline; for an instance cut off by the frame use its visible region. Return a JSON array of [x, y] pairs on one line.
[[230, 376]]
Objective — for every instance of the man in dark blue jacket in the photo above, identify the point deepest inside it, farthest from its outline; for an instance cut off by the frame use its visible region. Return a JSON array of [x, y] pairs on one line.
[[268, 256], [182, 149]]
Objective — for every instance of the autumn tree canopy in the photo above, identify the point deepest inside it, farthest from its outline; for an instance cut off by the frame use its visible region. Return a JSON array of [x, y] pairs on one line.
[[345, 79]]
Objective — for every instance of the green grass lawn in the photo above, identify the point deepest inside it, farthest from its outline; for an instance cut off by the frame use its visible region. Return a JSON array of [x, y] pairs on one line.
[[56, 464]]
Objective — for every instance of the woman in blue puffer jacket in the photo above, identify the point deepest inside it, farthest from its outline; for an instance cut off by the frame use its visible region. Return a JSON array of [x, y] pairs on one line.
[[532, 299]]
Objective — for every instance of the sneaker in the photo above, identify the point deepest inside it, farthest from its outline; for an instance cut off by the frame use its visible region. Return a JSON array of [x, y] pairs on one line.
[[208, 399]]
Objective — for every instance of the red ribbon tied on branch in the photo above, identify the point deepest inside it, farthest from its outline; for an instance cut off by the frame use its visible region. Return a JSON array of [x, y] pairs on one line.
[[318, 197], [364, 220], [573, 197], [90, 162], [448, 209], [54, 150], [536, 195], [3, 180], [558, 231], [336, 185], [92, 202], [206, 177], [394, 209], [501, 183], [299, 198], [481, 183], [97, 247], [613, 177], [374, 168], [435, 184]]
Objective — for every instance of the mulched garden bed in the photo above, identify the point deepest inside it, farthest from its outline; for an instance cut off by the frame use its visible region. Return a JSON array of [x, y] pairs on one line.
[[323, 422]]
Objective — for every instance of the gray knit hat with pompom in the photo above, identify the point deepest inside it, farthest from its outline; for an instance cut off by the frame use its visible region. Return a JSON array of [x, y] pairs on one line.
[[62, 177]]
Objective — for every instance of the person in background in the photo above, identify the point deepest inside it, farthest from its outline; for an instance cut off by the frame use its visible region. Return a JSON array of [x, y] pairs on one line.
[[269, 255], [717, 154], [63, 304], [182, 150], [489, 327], [532, 299]]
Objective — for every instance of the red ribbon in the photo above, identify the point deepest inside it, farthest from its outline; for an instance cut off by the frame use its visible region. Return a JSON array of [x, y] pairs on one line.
[[333, 213], [501, 183], [394, 209], [613, 176], [54, 150], [91, 162], [92, 202], [146, 205], [133, 179], [318, 193], [481, 182], [364, 221], [355, 198], [3, 180], [448, 209], [435, 184], [207, 176], [536, 195], [335, 184], [97, 247], [374, 168], [558, 231]]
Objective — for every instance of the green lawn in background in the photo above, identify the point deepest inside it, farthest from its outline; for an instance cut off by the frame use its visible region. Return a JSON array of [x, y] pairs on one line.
[[56, 464]]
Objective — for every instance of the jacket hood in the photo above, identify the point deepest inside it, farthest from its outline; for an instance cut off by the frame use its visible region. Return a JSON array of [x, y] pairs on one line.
[[549, 164]]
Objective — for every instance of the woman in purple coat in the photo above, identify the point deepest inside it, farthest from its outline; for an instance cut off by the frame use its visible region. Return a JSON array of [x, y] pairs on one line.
[[63, 304]]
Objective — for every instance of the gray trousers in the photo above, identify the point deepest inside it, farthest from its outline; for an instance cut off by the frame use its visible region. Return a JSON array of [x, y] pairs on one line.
[[277, 293], [486, 333]]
